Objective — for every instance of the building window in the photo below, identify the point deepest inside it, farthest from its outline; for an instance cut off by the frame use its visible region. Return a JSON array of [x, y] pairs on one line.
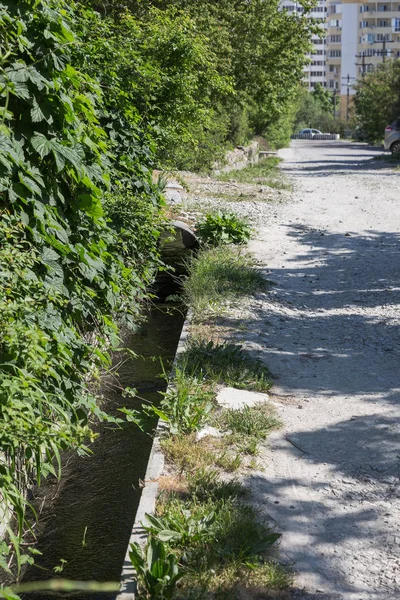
[[382, 37], [383, 23], [396, 25], [335, 39], [335, 53], [364, 8], [383, 7], [335, 23]]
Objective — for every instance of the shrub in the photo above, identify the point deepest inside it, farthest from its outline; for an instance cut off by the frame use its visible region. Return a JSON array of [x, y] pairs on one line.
[[223, 228]]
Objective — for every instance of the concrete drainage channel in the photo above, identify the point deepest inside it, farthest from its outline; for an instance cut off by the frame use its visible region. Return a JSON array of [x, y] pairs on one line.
[[88, 520], [148, 498]]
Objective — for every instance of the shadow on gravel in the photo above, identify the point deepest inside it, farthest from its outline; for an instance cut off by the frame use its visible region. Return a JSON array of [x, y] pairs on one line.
[[330, 326], [337, 312], [361, 159]]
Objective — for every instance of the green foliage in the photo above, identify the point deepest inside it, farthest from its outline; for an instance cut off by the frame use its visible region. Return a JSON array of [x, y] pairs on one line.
[[179, 527], [159, 66], [203, 73], [66, 270], [185, 405], [316, 109], [377, 100], [219, 276], [213, 534], [226, 363], [156, 569], [223, 228]]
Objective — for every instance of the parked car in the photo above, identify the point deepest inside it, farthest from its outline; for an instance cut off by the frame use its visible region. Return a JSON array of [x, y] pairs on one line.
[[392, 137], [311, 132]]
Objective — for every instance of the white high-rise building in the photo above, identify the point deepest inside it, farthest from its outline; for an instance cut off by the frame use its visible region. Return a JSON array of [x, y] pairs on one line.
[[360, 35], [315, 71]]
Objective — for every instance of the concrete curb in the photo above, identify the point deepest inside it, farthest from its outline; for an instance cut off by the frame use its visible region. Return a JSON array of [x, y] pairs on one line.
[[148, 498], [319, 136]]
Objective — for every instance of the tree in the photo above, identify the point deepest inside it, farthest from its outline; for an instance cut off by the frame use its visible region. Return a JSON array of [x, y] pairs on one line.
[[377, 99], [253, 52]]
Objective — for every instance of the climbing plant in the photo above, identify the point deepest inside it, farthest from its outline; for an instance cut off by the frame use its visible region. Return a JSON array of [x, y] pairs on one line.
[[67, 266]]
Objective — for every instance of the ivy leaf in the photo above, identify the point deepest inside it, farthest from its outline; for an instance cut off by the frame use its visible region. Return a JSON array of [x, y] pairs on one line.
[[37, 113], [30, 184], [90, 205], [41, 144], [69, 154], [20, 90], [35, 77], [50, 258]]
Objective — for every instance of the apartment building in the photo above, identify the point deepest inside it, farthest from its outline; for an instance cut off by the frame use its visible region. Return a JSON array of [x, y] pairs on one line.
[[359, 36], [315, 70]]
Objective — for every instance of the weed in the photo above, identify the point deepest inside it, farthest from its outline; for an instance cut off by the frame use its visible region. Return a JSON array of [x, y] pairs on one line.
[[206, 484], [187, 454], [254, 422], [179, 527], [186, 405], [228, 532], [219, 276], [229, 461], [223, 228], [266, 172], [226, 363], [157, 571]]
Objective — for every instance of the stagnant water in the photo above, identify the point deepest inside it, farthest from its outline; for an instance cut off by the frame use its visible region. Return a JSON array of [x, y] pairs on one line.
[[86, 526]]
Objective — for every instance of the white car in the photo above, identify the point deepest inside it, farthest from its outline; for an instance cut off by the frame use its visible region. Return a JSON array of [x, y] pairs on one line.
[[310, 132]]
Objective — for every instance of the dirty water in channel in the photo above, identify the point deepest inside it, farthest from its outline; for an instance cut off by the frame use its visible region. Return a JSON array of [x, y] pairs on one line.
[[90, 514]]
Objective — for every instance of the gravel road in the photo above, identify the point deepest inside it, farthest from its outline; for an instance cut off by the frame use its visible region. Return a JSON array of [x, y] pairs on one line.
[[329, 330]]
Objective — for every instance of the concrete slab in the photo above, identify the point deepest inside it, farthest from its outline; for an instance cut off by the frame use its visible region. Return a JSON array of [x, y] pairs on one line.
[[235, 399]]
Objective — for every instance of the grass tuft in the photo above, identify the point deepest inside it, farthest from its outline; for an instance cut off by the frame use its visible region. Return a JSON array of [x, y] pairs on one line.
[[255, 422], [227, 364], [205, 484], [266, 172], [219, 276]]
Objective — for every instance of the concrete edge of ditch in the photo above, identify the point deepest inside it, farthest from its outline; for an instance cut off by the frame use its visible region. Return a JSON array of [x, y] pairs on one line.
[[148, 498]]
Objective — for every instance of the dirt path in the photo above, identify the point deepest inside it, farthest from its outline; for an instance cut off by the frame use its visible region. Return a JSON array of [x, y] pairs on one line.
[[329, 330]]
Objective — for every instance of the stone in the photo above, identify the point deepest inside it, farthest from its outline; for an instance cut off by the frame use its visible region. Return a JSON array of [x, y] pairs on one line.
[[173, 185], [235, 399], [173, 196], [208, 431]]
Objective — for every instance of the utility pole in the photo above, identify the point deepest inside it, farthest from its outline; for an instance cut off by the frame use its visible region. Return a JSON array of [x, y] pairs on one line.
[[363, 64], [384, 51], [334, 103], [348, 85]]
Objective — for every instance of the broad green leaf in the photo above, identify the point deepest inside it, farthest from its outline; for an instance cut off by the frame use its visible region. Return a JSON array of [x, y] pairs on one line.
[[41, 144]]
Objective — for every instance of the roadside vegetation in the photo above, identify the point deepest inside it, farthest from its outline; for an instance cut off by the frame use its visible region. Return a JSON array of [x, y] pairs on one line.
[[206, 534], [206, 539], [94, 96], [318, 109], [377, 100], [265, 173]]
